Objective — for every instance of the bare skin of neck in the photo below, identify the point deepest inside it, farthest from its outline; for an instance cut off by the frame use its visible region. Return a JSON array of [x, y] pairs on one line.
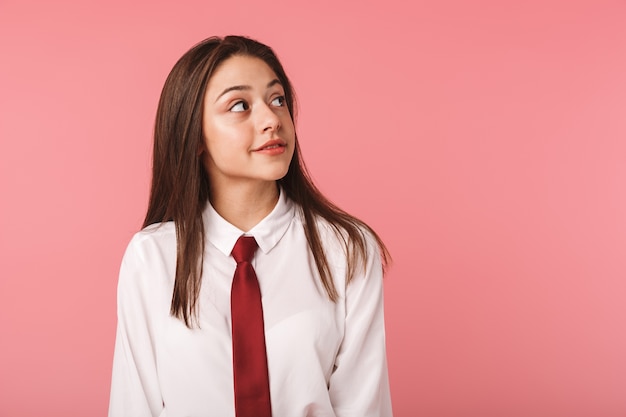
[[244, 204]]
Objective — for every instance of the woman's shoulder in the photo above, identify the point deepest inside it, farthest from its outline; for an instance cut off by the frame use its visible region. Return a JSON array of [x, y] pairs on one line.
[[149, 257], [148, 266], [336, 239], [159, 237]]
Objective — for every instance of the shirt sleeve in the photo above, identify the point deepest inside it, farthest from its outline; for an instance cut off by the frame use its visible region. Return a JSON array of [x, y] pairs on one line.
[[134, 386], [359, 385]]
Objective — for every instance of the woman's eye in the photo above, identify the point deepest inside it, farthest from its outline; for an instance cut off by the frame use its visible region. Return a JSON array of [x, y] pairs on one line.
[[278, 101], [239, 107]]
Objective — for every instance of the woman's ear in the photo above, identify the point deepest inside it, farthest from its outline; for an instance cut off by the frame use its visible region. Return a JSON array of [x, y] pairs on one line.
[[201, 149]]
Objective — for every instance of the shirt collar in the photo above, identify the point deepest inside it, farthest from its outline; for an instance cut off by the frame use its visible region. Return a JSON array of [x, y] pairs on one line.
[[267, 232]]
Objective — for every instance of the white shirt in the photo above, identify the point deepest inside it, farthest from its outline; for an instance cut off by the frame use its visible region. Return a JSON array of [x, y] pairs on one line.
[[324, 358]]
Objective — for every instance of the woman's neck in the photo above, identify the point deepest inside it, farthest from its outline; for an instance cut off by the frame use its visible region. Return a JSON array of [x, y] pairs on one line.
[[245, 205]]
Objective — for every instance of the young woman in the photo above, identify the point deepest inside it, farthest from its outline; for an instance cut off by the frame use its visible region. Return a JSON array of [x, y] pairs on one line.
[[305, 337]]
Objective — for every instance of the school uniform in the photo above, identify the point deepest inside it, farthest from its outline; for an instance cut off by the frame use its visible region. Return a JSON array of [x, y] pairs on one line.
[[324, 358]]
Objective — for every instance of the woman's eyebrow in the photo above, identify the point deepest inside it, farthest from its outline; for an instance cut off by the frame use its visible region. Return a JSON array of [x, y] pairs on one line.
[[247, 87], [274, 82]]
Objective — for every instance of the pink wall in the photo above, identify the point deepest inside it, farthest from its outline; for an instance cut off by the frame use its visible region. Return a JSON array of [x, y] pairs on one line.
[[485, 141]]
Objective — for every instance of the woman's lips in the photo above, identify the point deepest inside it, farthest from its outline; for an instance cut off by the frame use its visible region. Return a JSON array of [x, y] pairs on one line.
[[272, 147]]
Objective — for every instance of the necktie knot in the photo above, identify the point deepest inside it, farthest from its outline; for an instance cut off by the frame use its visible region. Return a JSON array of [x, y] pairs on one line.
[[244, 249]]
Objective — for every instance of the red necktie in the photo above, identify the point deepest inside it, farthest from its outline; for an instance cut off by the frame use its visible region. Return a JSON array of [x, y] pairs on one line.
[[252, 388]]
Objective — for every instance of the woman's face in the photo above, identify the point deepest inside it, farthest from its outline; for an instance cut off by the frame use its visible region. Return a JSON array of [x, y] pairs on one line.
[[248, 132]]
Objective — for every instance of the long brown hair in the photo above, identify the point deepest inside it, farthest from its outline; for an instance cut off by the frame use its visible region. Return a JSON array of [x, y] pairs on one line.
[[180, 184]]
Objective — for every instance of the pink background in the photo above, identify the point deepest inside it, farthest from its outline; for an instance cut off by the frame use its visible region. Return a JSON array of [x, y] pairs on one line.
[[484, 140]]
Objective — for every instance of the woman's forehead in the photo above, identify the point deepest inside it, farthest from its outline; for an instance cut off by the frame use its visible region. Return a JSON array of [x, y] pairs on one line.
[[240, 71]]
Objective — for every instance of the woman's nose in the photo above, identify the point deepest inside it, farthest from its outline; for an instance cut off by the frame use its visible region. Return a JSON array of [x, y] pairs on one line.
[[268, 120]]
